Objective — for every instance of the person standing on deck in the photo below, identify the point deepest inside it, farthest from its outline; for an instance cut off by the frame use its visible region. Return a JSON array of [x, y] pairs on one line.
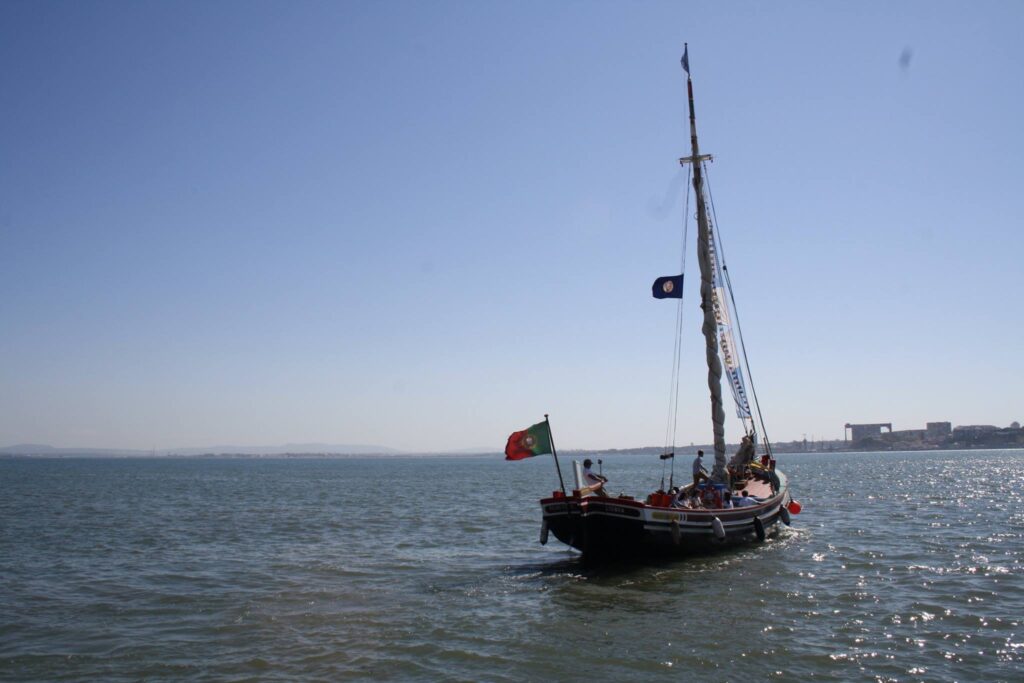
[[593, 481], [699, 473]]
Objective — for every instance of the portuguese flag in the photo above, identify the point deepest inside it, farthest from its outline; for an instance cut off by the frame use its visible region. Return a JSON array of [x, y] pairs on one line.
[[535, 440]]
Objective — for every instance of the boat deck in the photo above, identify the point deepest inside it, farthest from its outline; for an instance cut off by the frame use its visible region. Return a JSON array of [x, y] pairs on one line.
[[755, 487]]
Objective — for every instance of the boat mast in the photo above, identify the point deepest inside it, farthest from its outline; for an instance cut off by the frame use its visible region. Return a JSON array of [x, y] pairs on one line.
[[707, 286]]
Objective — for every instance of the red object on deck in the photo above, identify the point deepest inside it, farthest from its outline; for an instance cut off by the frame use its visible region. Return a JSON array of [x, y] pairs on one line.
[[557, 494], [794, 507], [764, 460], [658, 499]]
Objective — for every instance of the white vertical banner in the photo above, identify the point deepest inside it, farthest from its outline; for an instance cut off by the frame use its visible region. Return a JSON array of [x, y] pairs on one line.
[[726, 341]]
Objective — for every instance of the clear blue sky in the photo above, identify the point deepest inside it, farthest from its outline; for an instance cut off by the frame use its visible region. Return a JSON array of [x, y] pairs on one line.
[[425, 224]]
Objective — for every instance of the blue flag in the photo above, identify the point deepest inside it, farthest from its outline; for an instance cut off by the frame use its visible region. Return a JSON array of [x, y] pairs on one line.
[[668, 287], [685, 61]]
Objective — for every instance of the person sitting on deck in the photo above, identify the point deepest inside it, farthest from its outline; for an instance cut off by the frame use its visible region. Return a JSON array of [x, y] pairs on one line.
[[680, 498], [711, 497], [746, 500], [594, 482], [699, 473]]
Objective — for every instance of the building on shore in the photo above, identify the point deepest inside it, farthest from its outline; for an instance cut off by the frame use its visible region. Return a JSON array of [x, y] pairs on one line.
[[881, 436], [862, 432]]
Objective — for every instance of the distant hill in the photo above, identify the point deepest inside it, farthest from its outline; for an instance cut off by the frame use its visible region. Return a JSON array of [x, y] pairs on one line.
[[288, 448], [28, 448], [50, 451], [42, 450]]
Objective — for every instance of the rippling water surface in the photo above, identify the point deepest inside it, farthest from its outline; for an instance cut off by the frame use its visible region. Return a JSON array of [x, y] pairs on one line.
[[903, 566]]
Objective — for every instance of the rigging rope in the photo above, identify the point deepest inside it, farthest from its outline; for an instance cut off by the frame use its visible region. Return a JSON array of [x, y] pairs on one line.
[[736, 313], [672, 422]]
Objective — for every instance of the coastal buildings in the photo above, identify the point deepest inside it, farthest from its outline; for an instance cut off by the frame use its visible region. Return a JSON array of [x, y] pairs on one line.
[[881, 436], [861, 432]]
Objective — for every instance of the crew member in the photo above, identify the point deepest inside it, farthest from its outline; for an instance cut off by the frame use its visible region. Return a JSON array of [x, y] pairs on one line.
[[746, 500], [592, 479], [699, 473]]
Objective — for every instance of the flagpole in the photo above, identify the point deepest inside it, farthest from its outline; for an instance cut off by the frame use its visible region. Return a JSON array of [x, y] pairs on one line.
[[554, 454]]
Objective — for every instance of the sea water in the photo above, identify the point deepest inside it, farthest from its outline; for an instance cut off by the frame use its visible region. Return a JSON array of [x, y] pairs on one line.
[[902, 566]]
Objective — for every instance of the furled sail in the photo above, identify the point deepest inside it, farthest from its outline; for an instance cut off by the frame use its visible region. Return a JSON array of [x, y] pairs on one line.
[[707, 286]]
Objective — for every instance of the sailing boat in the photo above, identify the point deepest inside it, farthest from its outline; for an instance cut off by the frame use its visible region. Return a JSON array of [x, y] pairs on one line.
[[742, 500]]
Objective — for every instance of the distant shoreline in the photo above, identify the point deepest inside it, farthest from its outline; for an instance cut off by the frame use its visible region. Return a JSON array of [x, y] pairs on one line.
[[689, 450]]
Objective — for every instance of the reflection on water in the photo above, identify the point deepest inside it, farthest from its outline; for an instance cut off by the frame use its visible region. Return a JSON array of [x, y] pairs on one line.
[[902, 566]]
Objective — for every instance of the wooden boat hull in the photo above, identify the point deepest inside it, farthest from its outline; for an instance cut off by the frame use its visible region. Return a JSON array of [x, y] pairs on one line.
[[623, 528]]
